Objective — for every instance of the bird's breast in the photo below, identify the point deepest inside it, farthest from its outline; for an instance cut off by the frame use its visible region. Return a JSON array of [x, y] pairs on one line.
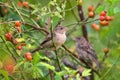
[[60, 38]]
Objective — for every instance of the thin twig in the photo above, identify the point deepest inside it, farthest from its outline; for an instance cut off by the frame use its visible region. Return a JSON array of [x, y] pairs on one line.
[[37, 28], [17, 11]]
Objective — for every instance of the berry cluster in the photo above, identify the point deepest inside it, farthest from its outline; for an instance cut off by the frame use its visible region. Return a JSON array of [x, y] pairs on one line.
[[24, 3], [9, 36], [104, 18], [17, 42], [91, 13]]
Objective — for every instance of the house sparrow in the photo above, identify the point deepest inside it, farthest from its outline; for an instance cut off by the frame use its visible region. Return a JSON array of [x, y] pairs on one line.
[[86, 52], [59, 37]]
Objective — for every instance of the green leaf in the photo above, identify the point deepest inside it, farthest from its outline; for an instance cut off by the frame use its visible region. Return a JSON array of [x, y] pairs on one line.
[[45, 58], [61, 73], [46, 65], [78, 77], [58, 14], [34, 11], [37, 72], [111, 11], [5, 74], [58, 77], [26, 65], [59, 9], [19, 64], [63, 6], [86, 72], [40, 72], [36, 58]]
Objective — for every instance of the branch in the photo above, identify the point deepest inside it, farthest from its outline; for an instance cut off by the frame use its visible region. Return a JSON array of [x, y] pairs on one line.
[[82, 18], [37, 28]]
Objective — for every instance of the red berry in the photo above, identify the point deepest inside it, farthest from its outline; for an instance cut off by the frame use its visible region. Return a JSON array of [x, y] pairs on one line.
[[102, 18], [95, 26], [108, 18], [6, 10], [91, 14], [17, 23], [112, 18], [103, 13], [9, 68], [19, 47], [20, 4], [28, 56], [91, 8], [25, 3], [106, 50], [8, 36], [104, 23]]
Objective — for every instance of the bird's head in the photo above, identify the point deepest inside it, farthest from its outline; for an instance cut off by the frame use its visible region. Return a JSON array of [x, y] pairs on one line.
[[60, 29], [80, 39]]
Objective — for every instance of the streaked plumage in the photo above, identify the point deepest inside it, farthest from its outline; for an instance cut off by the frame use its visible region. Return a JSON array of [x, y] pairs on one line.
[[86, 52]]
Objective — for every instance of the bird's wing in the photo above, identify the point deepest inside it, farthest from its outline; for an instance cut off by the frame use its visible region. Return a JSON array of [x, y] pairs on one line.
[[89, 50]]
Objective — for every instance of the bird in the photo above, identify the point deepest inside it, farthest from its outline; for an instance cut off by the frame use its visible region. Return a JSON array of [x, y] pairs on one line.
[[86, 53], [55, 41]]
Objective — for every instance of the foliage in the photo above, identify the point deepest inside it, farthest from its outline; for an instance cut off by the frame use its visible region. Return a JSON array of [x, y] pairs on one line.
[[37, 18]]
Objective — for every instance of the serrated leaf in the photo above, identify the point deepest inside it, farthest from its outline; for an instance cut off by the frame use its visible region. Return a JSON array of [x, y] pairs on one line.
[[86, 72]]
